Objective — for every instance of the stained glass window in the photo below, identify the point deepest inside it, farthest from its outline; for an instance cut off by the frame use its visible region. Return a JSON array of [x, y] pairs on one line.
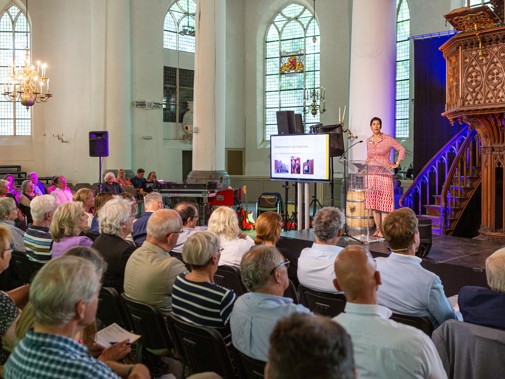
[[180, 25], [402, 69], [15, 119], [291, 41]]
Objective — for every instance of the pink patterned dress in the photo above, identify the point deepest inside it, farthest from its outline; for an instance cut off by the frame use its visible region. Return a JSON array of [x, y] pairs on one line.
[[380, 193]]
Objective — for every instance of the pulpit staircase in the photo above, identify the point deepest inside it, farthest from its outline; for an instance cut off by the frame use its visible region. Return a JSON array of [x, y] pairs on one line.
[[445, 185]]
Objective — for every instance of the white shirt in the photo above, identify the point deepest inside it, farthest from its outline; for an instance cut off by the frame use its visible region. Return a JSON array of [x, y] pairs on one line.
[[234, 250], [316, 267], [384, 348], [62, 196], [183, 237]]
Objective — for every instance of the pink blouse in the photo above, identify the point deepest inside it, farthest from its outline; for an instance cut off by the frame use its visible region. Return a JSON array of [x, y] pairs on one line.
[[378, 154]]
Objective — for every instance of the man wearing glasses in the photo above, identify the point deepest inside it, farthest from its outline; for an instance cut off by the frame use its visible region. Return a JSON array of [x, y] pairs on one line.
[[265, 274]]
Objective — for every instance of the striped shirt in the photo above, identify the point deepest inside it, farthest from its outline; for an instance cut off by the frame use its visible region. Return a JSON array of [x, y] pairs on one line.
[[38, 243], [203, 303], [49, 356]]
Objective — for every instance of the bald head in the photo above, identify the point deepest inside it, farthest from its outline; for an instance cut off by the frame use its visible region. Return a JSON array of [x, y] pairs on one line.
[[356, 275], [163, 228]]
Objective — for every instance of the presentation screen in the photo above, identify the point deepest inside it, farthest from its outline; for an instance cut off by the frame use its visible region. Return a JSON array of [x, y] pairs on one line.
[[300, 157]]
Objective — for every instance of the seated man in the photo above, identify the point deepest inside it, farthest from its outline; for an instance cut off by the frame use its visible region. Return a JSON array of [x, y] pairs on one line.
[[264, 273], [407, 288], [152, 202], [382, 348], [309, 347], [484, 306], [37, 239], [64, 298], [315, 264], [189, 214], [150, 271], [39, 188], [61, 192], [138, 181]]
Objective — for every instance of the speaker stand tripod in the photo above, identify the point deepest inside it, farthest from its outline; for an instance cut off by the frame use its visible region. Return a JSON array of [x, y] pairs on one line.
[[315, 202]]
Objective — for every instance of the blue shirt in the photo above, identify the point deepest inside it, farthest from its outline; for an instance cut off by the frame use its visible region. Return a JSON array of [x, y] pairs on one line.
[[407, 288], [139, 232], [254, 317], [49, 356]]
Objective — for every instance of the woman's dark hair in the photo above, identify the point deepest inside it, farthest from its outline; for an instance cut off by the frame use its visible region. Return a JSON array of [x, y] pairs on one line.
[[375, 119]]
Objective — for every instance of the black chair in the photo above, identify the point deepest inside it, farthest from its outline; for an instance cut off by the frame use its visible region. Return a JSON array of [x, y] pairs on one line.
[[202, 348], [148, 321], [111, 309], [251, 368], [179, 257], [22, 267], [322, 303], [292, 293], [421, 323], [229, 277]]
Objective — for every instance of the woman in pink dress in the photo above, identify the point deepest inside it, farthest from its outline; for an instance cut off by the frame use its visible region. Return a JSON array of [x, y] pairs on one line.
[[380, 195]]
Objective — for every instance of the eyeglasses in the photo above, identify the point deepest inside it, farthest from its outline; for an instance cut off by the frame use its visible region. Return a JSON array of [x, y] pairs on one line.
[[285, 263], [220, 250], [10, 249]]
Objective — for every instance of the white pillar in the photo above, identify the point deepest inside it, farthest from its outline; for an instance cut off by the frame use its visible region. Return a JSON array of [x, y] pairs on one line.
[[209, 95], [117, 84], [373, 62]]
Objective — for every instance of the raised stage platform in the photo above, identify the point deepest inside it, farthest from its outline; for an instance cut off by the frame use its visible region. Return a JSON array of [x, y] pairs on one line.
[[458, 261]]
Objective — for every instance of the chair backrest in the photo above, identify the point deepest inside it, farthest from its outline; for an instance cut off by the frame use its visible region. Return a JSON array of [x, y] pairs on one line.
[[202, 348], [470, 351], [422, 323], [322, 303], [251, 368], [111, 309], [229, 277], [22, 266], [292, 293], [147, 321]]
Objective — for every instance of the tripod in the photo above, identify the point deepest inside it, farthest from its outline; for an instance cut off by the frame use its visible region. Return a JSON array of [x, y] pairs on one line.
[[315, 202], [343, 160]]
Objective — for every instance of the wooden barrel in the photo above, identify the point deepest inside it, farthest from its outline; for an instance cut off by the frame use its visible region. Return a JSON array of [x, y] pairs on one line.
[[358, 218]]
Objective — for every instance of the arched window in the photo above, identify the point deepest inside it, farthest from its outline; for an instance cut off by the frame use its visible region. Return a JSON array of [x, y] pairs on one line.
[[15, 119], [477, 3], [402, 69], [292, 47], [179, 27]]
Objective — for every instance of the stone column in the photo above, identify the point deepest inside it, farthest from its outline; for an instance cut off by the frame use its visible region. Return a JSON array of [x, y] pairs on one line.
[[117, 85], [209, 95], [373, 62]]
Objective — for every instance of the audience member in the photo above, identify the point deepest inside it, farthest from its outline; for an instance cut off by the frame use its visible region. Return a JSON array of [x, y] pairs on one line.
[[116, 221], [195, 296], [382, 348], [309, 347], [39, 187], [9, 213], [64, 298], [9, 302], [87, 198], [268, 229], [486, 306], [224, 223], [100, 200], [27, 195], [37, 239], [315, 264], [150, 272], [69, 220], [152, 203], [52, 187], [407, 288], [61, 193], [264, 273], [4, 188], [12, 187], [110, 185], [122, 180], [139, 179], [189, 215], [150, 184]]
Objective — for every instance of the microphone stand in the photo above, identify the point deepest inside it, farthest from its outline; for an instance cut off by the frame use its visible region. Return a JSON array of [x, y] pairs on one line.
[[343, 158]]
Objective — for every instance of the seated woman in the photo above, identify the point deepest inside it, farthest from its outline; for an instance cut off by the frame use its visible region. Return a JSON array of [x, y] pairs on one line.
[[87, 198], [8, 214], [268, 228], [100, 200], [110, 185], [116, 222], [224, 223], [27, 195], [122, 180], [69, 220], [12, 187], [195, 296], [150, 185], [9, 301], [52, 187]]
